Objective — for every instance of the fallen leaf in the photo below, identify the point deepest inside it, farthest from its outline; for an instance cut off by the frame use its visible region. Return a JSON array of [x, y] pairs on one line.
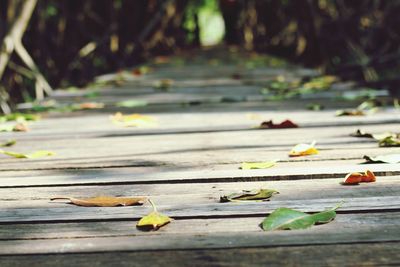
[[20, 117], [103, 201], [315, 107], [33, 155], [18, 127], [92, 94], [131, 103], [350, 112], [164, 84], [378, 136], [368, 177], [154, 220], [389, 141], [352, 178], [258, 165], [250, 195], [390, 158], [282, 125], [8, 143], [88, 105], [133, 120], [289, 219], [303, 150], [141, 70], [360, 133], [356, 178]]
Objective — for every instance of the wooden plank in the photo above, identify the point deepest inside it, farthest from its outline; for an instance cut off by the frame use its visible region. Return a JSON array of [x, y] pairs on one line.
[[182, 174], [199, 193], [379, 226], [319, 235], [72, 213], [385, 254]]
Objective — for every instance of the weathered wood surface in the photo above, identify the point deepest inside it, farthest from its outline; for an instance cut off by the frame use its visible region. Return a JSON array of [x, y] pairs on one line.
[[205, 130]]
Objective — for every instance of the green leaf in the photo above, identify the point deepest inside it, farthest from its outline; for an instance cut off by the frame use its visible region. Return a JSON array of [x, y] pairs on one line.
[[33, 155], [390, 158], [154, 220], [289, 219], [250, 195], [258, 165], [131, 103], [389, 141], [8, 143], [20, 117]]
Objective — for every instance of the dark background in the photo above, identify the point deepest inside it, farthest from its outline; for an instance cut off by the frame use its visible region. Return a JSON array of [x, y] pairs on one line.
[[355, 39]]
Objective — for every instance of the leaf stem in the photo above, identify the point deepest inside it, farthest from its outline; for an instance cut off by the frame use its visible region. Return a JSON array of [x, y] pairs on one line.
[[152, 204]]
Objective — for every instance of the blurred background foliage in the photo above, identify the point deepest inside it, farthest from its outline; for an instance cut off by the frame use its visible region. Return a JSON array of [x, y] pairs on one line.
[[72, 41]]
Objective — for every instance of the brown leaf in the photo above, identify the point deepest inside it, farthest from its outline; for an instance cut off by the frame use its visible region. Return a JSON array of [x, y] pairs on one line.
[[104, 201], [282, 125]]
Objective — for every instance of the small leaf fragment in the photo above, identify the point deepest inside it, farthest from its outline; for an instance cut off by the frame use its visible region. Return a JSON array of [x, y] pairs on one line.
[[389, 141], [258, 165], [283, 125], [360, 133], [289, 219], [250, 195], [33, 155], [356, 178], [351, 112], [154, 220], [164, 84], [303, 150], [131, 103], [103, 201], [88, 105], [390, 158], [352, 178], [19, 117], [18, 127], [8, 143], [133, 120]]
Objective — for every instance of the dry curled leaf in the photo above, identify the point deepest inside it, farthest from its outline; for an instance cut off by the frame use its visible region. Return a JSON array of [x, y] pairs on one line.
[[390, 158], [103, 201], [303, 150], [356, 178], [250, 195], [154, 220], [283, 125]]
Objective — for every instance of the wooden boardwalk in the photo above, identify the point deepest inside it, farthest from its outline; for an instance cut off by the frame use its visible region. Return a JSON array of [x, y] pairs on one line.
[[205, 130]]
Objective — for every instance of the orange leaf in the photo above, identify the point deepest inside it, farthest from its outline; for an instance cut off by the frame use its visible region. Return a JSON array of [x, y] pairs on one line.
[[369, 177], [356, 178], [353, 178]]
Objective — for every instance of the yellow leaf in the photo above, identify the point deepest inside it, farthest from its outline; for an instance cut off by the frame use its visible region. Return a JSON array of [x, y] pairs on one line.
[[104, 201], [33, 155], [303, 150], [258, 165], [133, 120], [154, 220]]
